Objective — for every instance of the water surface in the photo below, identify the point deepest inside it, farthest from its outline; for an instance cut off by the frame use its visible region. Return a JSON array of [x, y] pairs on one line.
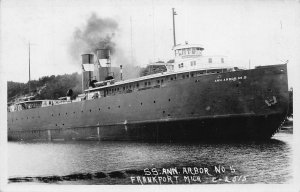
[[262, 162]]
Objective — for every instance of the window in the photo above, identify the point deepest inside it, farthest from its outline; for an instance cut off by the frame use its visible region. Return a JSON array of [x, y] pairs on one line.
[[188, 50], [183, 51], [209, 60], [193, 50], [222, 60], [179, 52], [193, 63], [180, 65]]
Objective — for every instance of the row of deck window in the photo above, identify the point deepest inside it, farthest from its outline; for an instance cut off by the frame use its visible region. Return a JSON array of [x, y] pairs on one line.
[[193, 63], [151, 83], [188, 51]]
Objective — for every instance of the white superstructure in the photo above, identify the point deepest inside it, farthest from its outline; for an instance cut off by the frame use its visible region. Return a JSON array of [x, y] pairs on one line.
[[189, 57]]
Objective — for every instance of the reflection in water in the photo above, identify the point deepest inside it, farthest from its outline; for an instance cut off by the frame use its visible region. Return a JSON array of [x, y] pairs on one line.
[[262, 162]]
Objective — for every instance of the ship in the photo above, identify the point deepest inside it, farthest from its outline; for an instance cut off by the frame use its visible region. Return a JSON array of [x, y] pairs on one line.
[[193, 98]]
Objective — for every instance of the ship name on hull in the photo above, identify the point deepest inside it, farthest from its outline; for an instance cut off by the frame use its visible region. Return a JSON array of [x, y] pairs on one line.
[[230, 79]]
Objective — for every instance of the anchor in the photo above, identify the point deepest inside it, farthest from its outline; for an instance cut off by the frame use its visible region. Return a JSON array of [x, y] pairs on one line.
[[271, 102]]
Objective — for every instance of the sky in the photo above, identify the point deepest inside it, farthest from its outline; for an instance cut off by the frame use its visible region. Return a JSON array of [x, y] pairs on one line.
[[245, 31]]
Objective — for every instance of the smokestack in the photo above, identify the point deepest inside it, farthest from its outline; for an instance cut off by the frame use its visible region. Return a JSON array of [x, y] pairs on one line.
[[104, 68], [87, 70]]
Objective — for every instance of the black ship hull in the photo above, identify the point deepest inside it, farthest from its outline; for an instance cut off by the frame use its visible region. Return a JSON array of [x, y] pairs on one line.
[[248, 104]]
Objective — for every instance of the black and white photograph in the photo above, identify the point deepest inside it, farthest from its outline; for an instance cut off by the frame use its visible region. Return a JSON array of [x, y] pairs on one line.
[[149, 95]]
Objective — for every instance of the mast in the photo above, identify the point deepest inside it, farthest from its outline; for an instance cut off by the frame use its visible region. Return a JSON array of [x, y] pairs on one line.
[[131, 40], [29, 65], [173, 14]]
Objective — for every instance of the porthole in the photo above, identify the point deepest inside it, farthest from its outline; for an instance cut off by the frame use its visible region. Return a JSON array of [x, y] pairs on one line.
[[153, 101], [169, 100]]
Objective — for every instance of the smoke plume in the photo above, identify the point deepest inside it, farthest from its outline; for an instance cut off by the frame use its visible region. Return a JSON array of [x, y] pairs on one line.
[[98, 33]]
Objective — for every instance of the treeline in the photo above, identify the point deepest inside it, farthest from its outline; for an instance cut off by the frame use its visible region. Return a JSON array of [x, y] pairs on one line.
[[47, 87]]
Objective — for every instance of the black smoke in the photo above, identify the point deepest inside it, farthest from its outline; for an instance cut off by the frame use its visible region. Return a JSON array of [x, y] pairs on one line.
[[97, 33], [100, 33]]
